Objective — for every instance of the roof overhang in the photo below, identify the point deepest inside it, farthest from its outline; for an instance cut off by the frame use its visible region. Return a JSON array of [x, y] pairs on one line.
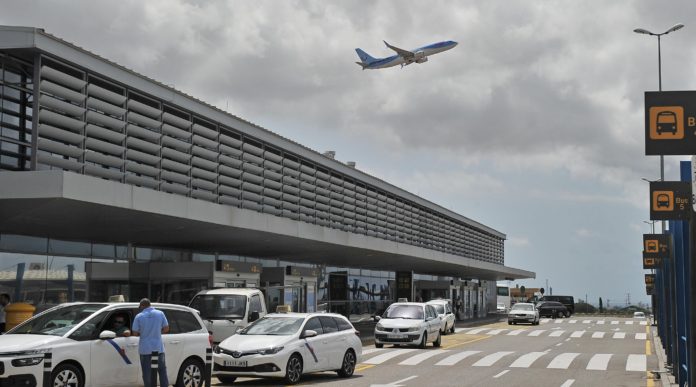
[[65, 205]]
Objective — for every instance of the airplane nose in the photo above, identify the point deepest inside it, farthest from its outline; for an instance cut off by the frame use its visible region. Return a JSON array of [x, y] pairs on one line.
[[453, 43]]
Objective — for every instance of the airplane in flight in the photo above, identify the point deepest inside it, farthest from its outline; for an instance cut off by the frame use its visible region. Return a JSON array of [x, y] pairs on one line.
[[402, 57]]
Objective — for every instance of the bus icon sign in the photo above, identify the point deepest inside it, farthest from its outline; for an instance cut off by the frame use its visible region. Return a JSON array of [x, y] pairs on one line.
[[663, 201], [667, 123]]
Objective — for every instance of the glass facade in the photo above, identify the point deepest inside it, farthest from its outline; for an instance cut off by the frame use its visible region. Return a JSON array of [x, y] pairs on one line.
[[16, 101]]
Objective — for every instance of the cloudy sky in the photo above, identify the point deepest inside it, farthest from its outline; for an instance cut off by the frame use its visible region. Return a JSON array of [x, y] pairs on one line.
[[532, 125]]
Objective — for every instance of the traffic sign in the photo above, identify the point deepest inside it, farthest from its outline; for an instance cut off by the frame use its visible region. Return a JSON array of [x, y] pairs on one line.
[[652, 263], [657, 246], [670, 200], [670, 123], [650, 279]]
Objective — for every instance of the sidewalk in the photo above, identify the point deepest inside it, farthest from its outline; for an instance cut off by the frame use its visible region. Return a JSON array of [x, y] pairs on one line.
[[666, 379]]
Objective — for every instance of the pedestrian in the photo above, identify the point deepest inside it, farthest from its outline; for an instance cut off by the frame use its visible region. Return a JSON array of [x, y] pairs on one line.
[[150, 324], [4, 301]]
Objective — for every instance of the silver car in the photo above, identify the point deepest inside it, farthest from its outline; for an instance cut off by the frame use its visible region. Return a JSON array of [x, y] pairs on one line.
[[408, 323], [444, 311], [523, 312]]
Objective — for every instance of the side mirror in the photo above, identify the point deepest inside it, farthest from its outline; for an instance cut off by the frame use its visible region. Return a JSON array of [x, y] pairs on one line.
[[253, 316], [106, 335], [429, 318], [308, 333], [377, 318]]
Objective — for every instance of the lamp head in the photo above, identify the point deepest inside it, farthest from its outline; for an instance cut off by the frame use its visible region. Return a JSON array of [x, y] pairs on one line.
[[675, 28], [642, 31]]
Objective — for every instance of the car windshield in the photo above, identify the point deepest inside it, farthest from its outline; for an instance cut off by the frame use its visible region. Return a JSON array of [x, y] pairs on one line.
[[414, 312], [521, 307], [57, 321], [220, 306], [274, 326]]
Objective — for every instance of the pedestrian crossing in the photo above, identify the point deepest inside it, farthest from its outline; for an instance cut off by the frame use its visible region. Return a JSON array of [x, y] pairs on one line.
[[512, 359], [599, 322], [552, 333]]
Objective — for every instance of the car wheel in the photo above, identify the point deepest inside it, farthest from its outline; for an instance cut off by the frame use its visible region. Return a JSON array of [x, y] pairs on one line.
[[67, 375], [348, 365], [438, 341], [567, 314], [424, 340], [509, 322], [226, 379], [190, 374], [293, 371], [379, 345]]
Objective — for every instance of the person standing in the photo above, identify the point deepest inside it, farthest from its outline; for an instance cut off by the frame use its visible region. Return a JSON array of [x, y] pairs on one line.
[[150, 324], [4, 301]]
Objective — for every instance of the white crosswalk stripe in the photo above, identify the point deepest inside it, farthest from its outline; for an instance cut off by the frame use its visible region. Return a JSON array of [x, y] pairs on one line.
[[413, 360], [526, 360], [614, 323], [516, 332], [572, 321], [577, 334], [495, 331], [558, 321], [619, 335], [598, 335], [629, 322], [601, 322], [476, 331], [456, 358], [371, 350], [545, 320], [379, 359], [563, 361], [536, 332], [643, 323], [556, 333], [637, 363], [599, 362], [587, 321], [491, 359], [641, 336]]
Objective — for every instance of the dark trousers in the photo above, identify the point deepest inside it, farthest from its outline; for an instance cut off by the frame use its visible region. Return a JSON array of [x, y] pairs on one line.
[[2, 328], [145, 365]]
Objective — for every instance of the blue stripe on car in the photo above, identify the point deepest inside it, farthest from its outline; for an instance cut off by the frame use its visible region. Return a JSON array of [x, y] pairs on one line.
[[120, 351]]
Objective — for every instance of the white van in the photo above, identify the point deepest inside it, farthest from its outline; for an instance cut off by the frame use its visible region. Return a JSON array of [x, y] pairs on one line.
[[226, 310]]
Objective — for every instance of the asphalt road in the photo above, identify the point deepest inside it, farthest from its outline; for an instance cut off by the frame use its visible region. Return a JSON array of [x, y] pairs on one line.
[[575, 351]]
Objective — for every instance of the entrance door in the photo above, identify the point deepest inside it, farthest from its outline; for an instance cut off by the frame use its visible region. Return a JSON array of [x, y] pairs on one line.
[[294, 296]]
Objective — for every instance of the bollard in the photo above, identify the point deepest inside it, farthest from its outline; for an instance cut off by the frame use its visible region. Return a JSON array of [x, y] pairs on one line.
[[48, 364], [154, 359], [208, 367]]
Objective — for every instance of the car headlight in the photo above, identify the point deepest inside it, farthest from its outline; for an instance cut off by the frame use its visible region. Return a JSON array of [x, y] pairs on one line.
[[379, 327], [29, 352], [270, 351], [216, 349], [27, 361], [414, 329]]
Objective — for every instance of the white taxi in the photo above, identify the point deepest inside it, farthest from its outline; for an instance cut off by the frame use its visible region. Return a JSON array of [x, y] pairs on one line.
[[288, 345], [76, 345], [444, 311], [407, 323]]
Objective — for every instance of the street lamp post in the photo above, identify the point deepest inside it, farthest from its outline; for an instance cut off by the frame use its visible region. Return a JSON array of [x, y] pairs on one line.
[[662, 178]]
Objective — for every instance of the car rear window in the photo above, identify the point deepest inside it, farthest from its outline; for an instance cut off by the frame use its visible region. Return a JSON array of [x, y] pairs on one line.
[[328, 324], [181, 321], [343, 325]]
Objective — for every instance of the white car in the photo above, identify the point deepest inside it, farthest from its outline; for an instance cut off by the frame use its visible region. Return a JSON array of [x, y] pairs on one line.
[[288, 345], [72, 344], [413, 323], [523, 312], [444, 311], [640, 315], [501, 308]]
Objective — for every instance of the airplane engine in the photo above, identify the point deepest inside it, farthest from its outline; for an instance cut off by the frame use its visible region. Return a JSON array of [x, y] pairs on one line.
[[418, 55], [422, 60]]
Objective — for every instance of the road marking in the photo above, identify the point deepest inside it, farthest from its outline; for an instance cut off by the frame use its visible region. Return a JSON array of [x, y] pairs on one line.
[[641, 336], [643, 323], [568, 383], [491, 359], [516, 332], [466, 342], [363, 367], [587, 321], [371, 350], [599, 362], [413, 360], [501, 374], [476, 331], [637, 363], [600, 322], [526, 360], [556, 333], [544, 321], [577, 334], [495, 331], [629, 322], [598, 335], [619, 335], [558, 321], [379, 359], [559, 344], [563, 361], [456, 358], [614, 323], [572, 321], [647, 343], [537, 332]]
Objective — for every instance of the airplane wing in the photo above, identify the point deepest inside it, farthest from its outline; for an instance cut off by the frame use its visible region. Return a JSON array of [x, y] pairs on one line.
[[406, 54]]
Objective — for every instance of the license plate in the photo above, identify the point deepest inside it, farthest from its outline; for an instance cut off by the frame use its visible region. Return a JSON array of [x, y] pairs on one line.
[[396, 336], [235, 363]]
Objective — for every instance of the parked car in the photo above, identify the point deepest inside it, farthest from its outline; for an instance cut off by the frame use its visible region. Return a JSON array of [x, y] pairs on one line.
[[567, 301], [552, 309], [73, 341], [225, 311], [501, 308], [407, 323], [289, 345], [640, 315], [444, 311], [524, 312]]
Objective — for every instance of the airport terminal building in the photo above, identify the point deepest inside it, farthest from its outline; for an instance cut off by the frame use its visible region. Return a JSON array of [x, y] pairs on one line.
[[113, 183]]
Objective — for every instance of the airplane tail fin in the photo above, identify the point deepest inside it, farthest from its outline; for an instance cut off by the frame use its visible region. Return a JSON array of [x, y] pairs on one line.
[[365, 57]]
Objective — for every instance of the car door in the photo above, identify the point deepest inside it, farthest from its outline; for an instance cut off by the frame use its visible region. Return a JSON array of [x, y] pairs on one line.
[[174, 341], [114, 362], [432, 321], [316, 354], [335, 342]]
